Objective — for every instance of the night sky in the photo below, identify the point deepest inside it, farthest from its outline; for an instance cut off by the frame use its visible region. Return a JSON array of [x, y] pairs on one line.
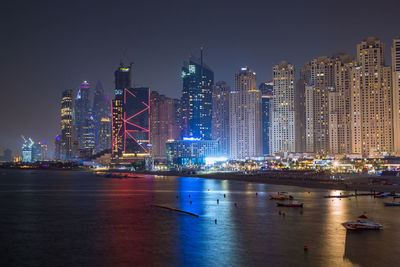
[[50, 46]]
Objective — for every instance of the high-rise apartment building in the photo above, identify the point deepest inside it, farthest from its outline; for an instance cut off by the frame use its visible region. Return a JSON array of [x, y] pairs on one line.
[[283, 109], [67, 126], [396, 94], [267, 94], [371, 101], [81, 112], [220, 116], [245, 116], [164, 125], [196, 102]]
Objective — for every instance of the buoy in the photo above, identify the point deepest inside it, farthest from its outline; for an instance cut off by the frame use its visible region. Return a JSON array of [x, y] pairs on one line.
[[189, 195], [256, 194], [235, 204], [224, 195], [279, 212], [208, 189], [283, 212], [217, 201], [305, 248], [215, 221], [190, 202]]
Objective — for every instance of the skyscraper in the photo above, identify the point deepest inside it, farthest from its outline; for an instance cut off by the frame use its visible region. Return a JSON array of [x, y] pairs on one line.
[[136, 126], [220, 116], [283, 109], [245, 116], [81, 112], [102, 119], [372, 104], [122, 80], [67, 125], [164, 125], [196, 101], [396, 93], [57, 148], [267, 92], [88, 136], [321, 83]]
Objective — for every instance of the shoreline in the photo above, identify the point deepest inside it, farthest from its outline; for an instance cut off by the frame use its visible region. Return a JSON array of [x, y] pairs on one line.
[[354, 182]]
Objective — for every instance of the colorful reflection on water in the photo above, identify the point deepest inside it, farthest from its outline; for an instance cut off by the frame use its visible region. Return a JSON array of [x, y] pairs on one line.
[[71, 218]]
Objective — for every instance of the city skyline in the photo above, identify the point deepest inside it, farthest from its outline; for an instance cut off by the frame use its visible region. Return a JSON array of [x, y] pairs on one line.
[[44, 38]]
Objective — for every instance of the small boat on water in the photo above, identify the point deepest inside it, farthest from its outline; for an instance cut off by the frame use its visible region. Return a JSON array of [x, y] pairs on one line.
[[391, 204], [359, 225], [280, 196], [296, 205]]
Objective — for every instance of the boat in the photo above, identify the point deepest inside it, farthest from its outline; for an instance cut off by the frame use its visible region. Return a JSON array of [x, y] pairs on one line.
[[382, 195], [391, 204], [359, 225], [296, 205], [280, 196]]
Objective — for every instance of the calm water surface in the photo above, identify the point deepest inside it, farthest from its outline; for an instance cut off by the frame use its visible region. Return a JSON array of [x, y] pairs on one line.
[[55, 218]]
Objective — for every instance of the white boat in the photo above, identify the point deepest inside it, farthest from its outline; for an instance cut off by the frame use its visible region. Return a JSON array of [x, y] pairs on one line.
[[359, 225]]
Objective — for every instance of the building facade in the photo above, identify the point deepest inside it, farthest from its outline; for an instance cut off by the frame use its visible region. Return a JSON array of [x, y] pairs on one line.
[[191, 151], [396, 94], [220, 116], [283, 109], [245, 116], [196, 101], [81, 112], [67, 127], [267, 94], [101, 113], [372, 101], [164, 125], [122, 81]]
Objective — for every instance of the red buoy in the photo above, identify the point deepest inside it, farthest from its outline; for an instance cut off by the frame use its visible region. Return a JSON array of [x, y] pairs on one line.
[[305, 248], [190, 202]]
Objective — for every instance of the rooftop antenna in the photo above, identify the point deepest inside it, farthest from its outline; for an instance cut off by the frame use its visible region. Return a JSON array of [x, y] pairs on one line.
[[123, 56], [201, 59]]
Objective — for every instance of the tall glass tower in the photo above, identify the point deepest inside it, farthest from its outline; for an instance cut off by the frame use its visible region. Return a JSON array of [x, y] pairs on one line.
[[196, 101], [81, 112]]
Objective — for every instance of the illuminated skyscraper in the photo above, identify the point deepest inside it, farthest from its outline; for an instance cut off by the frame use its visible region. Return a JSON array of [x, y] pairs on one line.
[[371, 101], [122, 81], [57, 148], [66, 125], [101, 113], [267, 92], [136, 126], [164, 125], [283, 109], [196, 101], [81, 112], [88, 136], [27, 149], [245, 116], [396, 93], [220, 116]]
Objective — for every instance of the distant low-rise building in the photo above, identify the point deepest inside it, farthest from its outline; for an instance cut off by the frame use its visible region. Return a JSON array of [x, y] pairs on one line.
[[191, 151]]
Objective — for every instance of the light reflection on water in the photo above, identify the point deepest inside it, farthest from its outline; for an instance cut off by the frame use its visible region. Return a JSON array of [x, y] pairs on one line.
[[67, 218]]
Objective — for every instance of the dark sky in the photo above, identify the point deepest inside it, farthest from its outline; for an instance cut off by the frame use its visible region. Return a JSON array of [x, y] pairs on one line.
[[50, 46]]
